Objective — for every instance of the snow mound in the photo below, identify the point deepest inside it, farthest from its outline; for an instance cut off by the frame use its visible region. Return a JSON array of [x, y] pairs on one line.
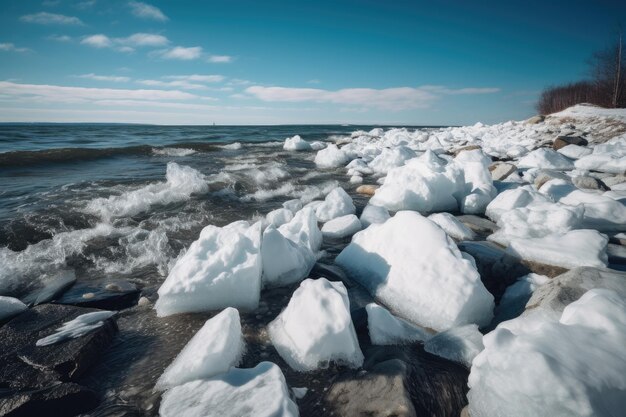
[[256, 392], [337, 203], [414, 268], [391, 158], [302, 230], [10, 307], [341, 227], [316, 328], [221, 269], [284, 262], [213, 350], [78, 327], [386, 329], [512, 199], [296, 143], [546, 159], [569, 250], [331, 157], [459, 344], [373, 215], [452, 226], [538, 366]]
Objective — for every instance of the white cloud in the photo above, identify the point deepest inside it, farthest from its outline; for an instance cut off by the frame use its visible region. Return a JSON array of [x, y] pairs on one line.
[[185, 85], [220, 59], [86, 4], [45, 18], [313, 81], [9, 47], [62, 94], [60, 38], [112, 78], [197, 77], [98, 41], [182, 53], [144, 39], [394, 99], [147, 11]]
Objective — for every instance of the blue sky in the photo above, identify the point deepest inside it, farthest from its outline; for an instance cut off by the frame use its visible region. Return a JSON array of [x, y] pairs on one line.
[[272, 62]]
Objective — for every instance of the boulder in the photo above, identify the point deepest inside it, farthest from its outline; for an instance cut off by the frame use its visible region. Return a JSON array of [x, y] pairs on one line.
[[367, 189], [563, 141], [546, 175], [457, 151], [479, 225], [589, 183], [64, 399], [111, 295], [53, 287], [501, 170]]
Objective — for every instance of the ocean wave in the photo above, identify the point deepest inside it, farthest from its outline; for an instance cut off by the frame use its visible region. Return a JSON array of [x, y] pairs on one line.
[[173, 151]]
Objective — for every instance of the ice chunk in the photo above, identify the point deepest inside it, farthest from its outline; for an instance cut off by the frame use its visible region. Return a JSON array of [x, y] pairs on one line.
[[279, 217], [479, 189], [459, 344], [316, 328], [373, 214], [331, 157], [216, 347], [572, 249], [341, 227], [601, 212], [220, 269], [452, 226], [10, 307], [256, 392], [512, 199], [386, 329], [574, 151], [296, 143], [293, 205], [546, 159], [303, 230], [284, 262], [391, 158], [337, 203], [414, 268], [538, 366], [615, 164], [78, 327]]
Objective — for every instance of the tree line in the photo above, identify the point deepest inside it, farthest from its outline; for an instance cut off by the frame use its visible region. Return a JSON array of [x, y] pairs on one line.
[[606, 85]]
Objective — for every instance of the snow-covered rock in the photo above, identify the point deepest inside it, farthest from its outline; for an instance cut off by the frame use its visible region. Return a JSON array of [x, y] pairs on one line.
[[220, 269], [568, 366], [603, 162], [331, 157], [569, 250], [303, 230], [316, 328], [413, 267], [10, 307], [341, 227], [256, 392], [452, 226], [296, 143], [373, 215], [213, 350], [575, 151], [459, 344], [546, 159], [386, 329], [284, 262], [337, 203]]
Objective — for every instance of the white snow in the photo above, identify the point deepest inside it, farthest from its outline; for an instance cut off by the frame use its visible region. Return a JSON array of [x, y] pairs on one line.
[[546, 159], [600, 211], [303, 230], [220, 269], [537, 366], [316, 328], [415, 269], [213, 350], [256, 392], [575, 151], [279, 217], [10, 307], [512, 199], [296, 143], [337, 203], [373, 215], [341, 227], [459, 344], [284, 262], [452, 226], [386, 329], [78, 327], [569, 250], [479, 189], [391, 158], [331, 157], [517, 295]]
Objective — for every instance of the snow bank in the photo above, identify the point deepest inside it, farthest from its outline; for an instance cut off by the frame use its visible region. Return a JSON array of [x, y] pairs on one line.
[[220, 269], [341, 227], [331, 157], [537, 366], [78, 327], [216, 347], [284, 262], [296, 143], [373, 215], [386, 329], [459, 344], [337, 203], [10, 307], [257, 392], [414, 268], [316, 328], [572, 249]]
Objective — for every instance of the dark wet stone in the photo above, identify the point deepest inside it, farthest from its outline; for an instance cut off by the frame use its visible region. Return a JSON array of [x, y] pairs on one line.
[[53, 288], [25, 365], [60, 400], [563, 141], [111, 295], [480, 225]]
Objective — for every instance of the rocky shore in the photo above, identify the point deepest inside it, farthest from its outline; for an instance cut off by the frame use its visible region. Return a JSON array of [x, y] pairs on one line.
[[475, 270]]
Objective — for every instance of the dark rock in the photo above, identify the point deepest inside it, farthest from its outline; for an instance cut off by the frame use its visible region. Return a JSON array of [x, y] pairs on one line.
[[562, 141], [112, 295], [60, 400], [24, 365], [589, 183], [480, 225], [53, 288]]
